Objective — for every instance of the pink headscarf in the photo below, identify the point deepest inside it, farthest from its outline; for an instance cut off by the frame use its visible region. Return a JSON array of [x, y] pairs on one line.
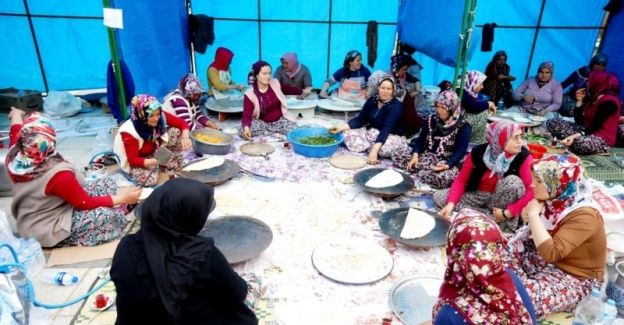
[[291, 58]]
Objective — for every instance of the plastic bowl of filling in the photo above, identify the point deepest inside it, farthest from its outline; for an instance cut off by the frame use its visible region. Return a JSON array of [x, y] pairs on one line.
[[314, 142], [537, 150]]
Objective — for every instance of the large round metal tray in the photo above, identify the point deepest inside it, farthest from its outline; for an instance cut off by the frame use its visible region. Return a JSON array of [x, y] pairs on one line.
[[239, 238], [352, 260], [412, 297], [365, 175], [213, 176], [392, 221]]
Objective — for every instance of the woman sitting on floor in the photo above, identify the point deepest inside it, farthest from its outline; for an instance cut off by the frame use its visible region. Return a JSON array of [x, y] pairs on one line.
[[405, 90], [578, 80], [50, 203], [377, 128], [220, 82], [147, 129], [167, 274], [265, 110], [540, 94], [441, 144], [294, 74], [560, 255], [184, 103], [353, 78], [477, 105], [477, 288], [596, 122], [499, 78], [495, 178]]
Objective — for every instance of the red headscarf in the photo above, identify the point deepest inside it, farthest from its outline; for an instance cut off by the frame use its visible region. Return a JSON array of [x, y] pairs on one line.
[[476, 283], [223, 58]]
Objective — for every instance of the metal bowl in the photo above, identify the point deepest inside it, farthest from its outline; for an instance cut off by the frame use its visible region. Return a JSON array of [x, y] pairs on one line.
[[206, 148]]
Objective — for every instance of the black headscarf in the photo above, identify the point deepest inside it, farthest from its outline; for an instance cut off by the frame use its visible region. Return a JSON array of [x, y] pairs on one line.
[[171, 218]]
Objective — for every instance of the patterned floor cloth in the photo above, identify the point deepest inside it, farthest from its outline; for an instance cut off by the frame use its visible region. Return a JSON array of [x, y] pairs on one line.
[[605, 167]]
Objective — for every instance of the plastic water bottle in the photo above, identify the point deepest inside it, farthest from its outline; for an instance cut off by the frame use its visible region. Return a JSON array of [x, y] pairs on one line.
[[610, 312], [590, 310], [59, 278], [500, 105]]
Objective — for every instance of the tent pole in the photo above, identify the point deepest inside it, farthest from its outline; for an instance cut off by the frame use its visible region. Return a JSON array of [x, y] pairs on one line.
[[464, 61], [601, 33], [462, 37], [112, 42]]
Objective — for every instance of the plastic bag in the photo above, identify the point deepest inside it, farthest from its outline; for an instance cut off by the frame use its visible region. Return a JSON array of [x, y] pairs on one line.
[[28, 250], [11, 308], [61, 104]]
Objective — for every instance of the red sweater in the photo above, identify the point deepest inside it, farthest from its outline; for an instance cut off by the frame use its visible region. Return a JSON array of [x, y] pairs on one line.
[[271, 104], [136, 155], [65, 185], [488, 184]]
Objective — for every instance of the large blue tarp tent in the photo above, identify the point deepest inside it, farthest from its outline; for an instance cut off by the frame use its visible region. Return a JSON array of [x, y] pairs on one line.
[[62, 45]]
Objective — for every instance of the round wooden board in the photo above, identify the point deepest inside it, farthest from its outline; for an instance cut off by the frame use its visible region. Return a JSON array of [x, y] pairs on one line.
[[348, 162]]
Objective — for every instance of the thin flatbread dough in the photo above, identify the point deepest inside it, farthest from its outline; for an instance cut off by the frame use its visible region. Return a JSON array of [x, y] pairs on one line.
[[417, 224], [386, 178], [145, 192], [204, 164]]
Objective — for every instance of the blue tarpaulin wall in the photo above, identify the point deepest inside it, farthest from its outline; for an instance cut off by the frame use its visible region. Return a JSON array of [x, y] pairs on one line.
[[566, 35], [61, 45]]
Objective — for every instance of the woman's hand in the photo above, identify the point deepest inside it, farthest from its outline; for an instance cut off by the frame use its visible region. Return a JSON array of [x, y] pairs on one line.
[[446, 211], [16, 115], [533, 208], [373, 155], [529, 99], [185, 142], [247, 133], [127, 195], [440, 167], [499, 214], [306, 92], [580, 95], [491, 108], [150, 162], [570, 140], [212, 125], [323, 93], [413, 163]]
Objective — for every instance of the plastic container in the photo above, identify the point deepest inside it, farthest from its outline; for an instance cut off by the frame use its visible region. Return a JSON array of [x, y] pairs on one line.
[[314, 151], [536, 150], [31, 255], [610, 313], [500, 105], [590, 310], [59, 278]]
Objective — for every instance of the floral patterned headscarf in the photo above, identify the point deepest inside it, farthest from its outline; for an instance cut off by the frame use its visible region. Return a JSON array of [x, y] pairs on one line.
[[142, 107], [34, 153], [475, 282], [190, 87], [473, 79], [563, 177], [450, 101], [568, 189], [495, 157]]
